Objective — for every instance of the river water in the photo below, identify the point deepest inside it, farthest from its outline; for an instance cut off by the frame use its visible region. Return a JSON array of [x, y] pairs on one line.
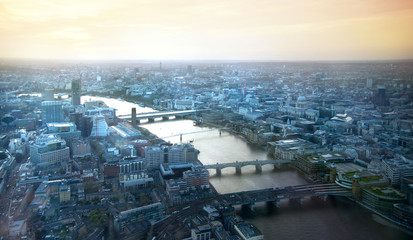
[[314, 219]]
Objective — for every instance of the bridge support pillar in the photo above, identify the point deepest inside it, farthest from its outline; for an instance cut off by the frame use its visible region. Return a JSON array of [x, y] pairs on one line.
[[238, 170], [296, 201], [251, 207], [179, 117], [165, 118], [258, 168], [219, 172], [275, 203], [151, 120], [220, 132], [277, 166], [248, 206], [180, 137]]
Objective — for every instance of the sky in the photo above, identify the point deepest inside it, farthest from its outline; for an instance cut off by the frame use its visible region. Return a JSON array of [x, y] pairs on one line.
[[266, 30]]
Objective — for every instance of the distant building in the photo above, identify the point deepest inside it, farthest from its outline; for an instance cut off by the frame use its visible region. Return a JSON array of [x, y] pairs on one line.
[[111, 169], [108, 113], [49, 152], [396, 170], [18, 228], [184, 104], [100, 127], [247, 231], [48, 94], [131, 165], [52, 111], [27, 123], [64, 130], [382, 198], [155, 156], [80, 148], [76, 92], [203, 232], [196, 177], [64, 193], [380, 97], [154, 211]]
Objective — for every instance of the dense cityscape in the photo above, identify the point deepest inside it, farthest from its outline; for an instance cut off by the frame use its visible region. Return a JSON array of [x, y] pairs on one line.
[[206, 149]]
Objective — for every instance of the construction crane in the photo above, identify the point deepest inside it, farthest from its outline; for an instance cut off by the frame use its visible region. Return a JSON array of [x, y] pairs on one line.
[[80, 77]]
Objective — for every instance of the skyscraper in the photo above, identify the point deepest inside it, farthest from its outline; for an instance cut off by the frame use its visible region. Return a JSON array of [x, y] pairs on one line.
[[52, 111], [380, 97], [76, 92]]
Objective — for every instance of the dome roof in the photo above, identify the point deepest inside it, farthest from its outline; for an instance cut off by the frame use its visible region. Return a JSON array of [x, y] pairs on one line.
[[301, 99]]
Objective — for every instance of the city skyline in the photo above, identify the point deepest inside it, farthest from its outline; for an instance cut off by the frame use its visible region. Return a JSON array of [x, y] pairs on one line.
[[212, 30]]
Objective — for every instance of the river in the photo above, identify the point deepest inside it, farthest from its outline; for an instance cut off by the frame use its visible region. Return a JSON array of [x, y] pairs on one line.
[[333, 219]]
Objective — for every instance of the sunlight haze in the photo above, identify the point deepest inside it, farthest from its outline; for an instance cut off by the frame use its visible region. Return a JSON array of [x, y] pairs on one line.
[[214, 29]]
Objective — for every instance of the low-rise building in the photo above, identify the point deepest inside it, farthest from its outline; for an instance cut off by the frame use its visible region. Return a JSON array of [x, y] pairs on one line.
[[153, 211], [381, 198]]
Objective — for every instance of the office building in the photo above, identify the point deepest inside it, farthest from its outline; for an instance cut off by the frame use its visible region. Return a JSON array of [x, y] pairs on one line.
[[153, 211], [155, 156], [64, 130], [49, 152], [196, 177], [100, 127], [52, 111], [76, 91]]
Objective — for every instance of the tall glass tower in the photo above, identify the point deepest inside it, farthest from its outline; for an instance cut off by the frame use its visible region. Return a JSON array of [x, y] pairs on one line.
[[76, 92], [52, 111]]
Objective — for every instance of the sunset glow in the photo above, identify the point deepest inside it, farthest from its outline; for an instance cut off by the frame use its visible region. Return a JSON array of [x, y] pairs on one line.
[[214, 29]]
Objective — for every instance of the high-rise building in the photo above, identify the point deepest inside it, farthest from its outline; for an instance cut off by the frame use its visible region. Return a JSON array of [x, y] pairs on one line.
[[49, 152], [380, 97], [100, 127], [52, 111], [76, 92]]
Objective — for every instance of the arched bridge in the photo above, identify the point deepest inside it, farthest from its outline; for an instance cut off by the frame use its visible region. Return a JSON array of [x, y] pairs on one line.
[[165, 115], [238, 165], [276, 194]]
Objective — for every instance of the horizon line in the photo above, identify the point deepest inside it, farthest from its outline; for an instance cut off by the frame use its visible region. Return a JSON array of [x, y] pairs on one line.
[[200, 60]]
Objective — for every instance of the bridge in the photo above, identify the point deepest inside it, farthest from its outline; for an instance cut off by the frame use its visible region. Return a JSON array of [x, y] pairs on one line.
[[164, 115], [274, 195], [238, 165], [194, 132], [249, 198]]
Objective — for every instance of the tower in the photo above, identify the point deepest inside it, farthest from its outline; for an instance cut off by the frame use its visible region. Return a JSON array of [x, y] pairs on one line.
[[333, 173], [52, 111], [355, 189], [133, 116], [76, 92]]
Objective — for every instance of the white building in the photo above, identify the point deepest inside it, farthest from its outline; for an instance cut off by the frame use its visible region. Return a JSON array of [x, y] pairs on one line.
[[184, 104], [100, 127], [396, 169]]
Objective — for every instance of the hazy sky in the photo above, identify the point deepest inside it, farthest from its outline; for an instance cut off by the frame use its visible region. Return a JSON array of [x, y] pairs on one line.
[[207, 29]]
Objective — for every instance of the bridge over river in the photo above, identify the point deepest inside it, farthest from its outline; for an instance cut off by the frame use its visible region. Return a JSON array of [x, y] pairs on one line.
[[164, 115], [238, 165], [277, 194]]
